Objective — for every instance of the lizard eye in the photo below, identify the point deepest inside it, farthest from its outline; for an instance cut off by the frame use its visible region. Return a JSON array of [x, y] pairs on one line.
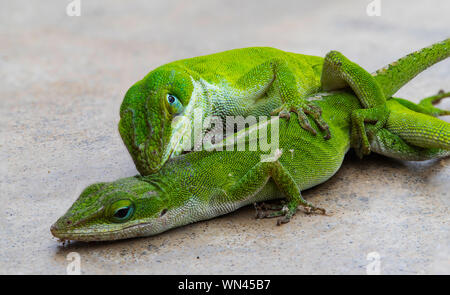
[[175, 103], [122, 211], [170, 98]]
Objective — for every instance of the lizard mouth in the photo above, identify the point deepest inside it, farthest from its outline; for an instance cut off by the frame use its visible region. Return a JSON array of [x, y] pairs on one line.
[[90, 235]]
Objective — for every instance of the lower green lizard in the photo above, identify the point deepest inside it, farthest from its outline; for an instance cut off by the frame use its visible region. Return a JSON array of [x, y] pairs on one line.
[[202, 185]]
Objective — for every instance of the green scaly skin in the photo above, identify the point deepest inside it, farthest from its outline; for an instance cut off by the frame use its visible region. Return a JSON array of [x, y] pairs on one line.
[[255, 81], [187, 190]]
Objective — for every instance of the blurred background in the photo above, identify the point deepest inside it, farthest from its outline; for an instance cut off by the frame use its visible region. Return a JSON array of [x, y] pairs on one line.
[[64, 75]]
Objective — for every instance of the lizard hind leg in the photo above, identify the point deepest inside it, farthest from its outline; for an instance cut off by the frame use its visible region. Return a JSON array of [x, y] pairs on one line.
[[418, 129], [414, 123], [339, 72], [386, 143], [359, 139]]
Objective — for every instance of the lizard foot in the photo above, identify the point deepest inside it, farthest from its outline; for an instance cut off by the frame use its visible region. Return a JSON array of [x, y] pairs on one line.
[[263, 208], [308, 108], [284, 211], [359, 138]]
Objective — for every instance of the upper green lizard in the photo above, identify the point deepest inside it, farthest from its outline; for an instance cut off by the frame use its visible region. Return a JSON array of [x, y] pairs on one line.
[[254, 81], [202, 185]]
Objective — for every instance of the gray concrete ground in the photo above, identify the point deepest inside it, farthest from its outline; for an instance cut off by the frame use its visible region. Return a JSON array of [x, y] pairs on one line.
[[62, 81]]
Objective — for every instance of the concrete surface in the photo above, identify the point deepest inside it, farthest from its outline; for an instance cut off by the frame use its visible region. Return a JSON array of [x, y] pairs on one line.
[[62, 81]]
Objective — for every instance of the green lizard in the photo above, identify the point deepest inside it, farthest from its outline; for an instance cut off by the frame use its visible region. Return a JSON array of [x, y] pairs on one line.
[[253, 82], [186, 189]]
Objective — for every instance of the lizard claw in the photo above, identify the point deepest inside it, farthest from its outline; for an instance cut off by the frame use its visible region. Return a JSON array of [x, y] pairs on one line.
[[284, 114], [316, 112], [284, 211], [263, 208], [315, 210], [302, 111]]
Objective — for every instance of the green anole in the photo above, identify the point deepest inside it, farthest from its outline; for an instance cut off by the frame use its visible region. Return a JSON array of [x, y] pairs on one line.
[[255, 82]]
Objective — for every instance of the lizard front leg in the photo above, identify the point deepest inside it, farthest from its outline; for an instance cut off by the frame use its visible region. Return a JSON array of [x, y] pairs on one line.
[[292, 88], [259, 175]]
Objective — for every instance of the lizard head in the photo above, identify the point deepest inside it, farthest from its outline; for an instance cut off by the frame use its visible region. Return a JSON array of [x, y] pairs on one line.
[[125, 208], [154, 116]]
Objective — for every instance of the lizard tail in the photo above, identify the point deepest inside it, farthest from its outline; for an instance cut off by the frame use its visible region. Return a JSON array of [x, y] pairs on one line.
[[393, 76], [429, 103]]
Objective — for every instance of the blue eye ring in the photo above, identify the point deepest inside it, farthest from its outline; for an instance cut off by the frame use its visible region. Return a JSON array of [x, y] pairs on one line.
[[122, 211], [175, 103]]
